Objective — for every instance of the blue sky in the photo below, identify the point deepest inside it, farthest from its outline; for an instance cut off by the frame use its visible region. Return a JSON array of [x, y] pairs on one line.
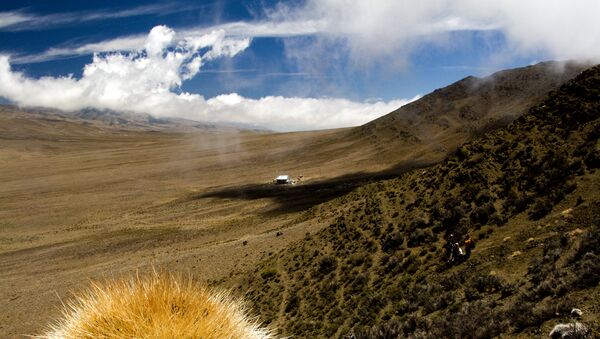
[[354, 60]]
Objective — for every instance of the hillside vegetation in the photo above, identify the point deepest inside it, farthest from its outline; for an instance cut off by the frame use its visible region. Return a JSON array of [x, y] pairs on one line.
[[527, 194]]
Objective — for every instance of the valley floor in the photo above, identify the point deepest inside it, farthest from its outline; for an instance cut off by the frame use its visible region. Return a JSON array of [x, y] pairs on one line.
[[87, 203]]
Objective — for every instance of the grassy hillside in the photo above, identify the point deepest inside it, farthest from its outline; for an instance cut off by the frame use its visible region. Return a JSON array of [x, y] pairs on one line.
[[472, 103], [527, 194], [447, 117]]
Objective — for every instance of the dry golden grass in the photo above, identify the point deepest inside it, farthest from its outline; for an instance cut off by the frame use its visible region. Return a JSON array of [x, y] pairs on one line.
[[154, 306]]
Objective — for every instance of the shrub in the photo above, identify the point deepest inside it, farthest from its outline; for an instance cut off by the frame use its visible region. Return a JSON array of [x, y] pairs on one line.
[[474, 320], [482, 214], [327, 264], [154, 306], [515, 201], [484, 196], [392, 241], [487, 284], [590, 243], [541, 207], [520, 313], [420, 237], [471, 294], [588, 270], [268, 273], [592, 159], [508, 289], [292, 303]]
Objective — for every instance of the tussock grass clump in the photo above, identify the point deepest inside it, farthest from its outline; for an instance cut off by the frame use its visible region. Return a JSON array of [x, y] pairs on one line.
[[154, 306]]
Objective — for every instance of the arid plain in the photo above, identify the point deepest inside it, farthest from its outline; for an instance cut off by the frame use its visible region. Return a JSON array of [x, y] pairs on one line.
[[81, 200]]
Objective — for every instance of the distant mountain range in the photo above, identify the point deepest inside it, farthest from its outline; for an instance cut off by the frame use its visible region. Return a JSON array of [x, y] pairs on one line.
[[147, 121], [131, 121]]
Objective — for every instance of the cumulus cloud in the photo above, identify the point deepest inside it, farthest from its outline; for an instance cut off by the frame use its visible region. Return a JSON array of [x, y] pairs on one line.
[[285, 113], [147, 80]]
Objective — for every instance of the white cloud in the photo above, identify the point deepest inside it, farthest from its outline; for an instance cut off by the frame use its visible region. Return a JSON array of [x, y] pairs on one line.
[[144, 81], [127, 43], [389, 31], [380, 30], [8, 19], [136, 41], [376, 30], [20, 20], [562, 29], [284, 113]]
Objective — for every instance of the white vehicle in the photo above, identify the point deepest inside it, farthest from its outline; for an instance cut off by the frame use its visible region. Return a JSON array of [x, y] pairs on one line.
[[283, 180]]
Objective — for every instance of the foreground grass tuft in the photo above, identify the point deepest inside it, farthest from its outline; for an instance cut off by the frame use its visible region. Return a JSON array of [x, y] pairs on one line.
[[154, 306]]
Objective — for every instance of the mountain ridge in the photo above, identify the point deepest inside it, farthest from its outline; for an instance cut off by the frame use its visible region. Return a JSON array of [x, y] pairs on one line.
[[450, 116], [128, 121]]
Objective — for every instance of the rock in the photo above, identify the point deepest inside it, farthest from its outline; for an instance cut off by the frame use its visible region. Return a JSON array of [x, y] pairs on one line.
[[575, 232], [514, 254], [567, 213], [573, 330], [506, 239], [576, 313]]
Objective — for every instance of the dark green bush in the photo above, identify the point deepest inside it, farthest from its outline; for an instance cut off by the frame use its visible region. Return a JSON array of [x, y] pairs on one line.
[[268, 274], [327, 264], [541, 207]]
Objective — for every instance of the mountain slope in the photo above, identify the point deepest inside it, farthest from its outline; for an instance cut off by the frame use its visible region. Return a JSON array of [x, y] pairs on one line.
[[527, 193], [436, 124]]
